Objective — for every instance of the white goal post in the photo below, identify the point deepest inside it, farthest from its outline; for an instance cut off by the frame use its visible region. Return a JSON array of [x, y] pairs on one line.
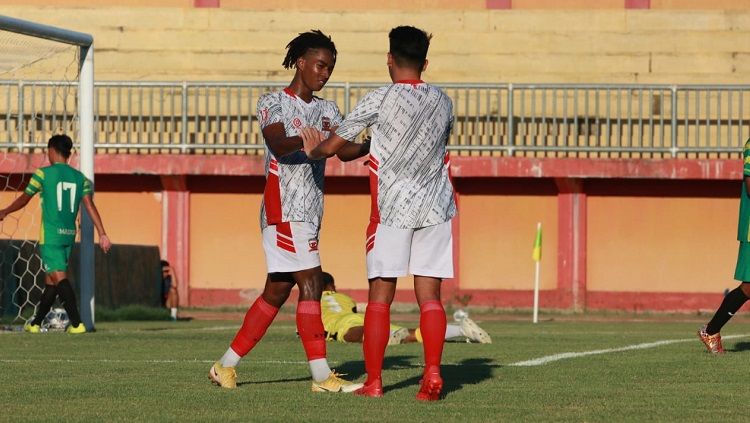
[[85, 43]]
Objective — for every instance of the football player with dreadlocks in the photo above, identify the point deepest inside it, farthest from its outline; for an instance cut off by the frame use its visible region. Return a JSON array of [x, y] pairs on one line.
[[292, 210]]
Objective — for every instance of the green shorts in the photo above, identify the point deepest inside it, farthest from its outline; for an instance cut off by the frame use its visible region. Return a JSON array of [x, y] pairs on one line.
[[55, 257]]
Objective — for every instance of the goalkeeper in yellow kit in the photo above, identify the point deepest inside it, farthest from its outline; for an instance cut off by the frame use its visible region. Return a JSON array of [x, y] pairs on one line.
[[342, 322], [62, 190]]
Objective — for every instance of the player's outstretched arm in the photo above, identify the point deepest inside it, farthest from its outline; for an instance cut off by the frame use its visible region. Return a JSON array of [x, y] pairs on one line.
[[104, 241], [277, 141], [326, 148], [16, 205], [351, 151]]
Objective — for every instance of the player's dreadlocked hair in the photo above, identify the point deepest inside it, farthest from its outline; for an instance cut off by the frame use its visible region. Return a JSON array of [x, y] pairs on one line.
[[312, 39]]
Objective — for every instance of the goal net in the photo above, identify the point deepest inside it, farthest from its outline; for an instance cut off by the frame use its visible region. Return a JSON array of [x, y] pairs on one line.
[[40, 96]]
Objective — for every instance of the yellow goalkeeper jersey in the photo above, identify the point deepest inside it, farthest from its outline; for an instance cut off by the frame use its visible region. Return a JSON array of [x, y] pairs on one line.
[[334, 305]]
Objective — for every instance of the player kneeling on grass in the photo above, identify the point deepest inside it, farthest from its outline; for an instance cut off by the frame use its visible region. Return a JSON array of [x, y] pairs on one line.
[[734, 300], [62, 190], [342, 322]]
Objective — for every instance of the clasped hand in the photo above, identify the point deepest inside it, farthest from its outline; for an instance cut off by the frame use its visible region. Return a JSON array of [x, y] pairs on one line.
[[311, 138]]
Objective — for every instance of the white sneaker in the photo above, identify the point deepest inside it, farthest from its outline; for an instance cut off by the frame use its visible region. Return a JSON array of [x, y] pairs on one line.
[[472, 331], [398, 336], [459, 315]]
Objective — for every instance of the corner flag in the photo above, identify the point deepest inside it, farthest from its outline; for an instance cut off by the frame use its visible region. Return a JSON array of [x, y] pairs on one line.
[[536, 255]]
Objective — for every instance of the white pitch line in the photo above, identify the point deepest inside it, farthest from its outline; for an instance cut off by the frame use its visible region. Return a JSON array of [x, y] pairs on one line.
[[106, 360], [562, 356]]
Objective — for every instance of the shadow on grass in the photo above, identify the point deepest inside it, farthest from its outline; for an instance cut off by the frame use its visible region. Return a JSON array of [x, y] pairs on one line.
[[470, 371], [740, 346], [264, 382]]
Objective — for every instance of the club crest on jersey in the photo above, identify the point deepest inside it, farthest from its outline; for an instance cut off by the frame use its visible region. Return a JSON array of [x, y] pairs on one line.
[[297, 122], [326, 123], [313, 244]]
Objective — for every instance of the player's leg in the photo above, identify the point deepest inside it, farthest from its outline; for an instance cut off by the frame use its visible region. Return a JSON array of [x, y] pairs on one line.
[[281, 260], [55, 259], [431, 261], [732, 302], [355, 334], [451, 331], [387, 258], [45, 304], [68, 298], [309, 323], [312, 333], [254, 326], [432, 326], [399, 335], [349, 328], [172, 302], [377, 333]]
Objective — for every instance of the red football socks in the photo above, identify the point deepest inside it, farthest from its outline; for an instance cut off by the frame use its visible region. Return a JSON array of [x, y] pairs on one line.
[[310, 328], [377, 332], [432, 324], [257, 320]]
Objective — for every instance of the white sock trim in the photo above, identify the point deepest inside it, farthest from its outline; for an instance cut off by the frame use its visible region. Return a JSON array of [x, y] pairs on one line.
[[319, 369]]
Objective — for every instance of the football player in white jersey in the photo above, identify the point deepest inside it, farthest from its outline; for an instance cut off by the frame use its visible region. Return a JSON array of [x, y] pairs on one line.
[[292, 210], [412, 201]]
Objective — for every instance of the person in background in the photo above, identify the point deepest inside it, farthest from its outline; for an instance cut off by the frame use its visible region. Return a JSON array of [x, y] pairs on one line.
[[62, 190], [170, 296]]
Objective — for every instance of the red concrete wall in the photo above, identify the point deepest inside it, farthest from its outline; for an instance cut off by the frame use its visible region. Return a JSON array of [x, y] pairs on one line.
[[619, 234]]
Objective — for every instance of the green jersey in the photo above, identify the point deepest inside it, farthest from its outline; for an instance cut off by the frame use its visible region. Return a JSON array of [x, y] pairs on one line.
[[61, 189], [744, 222]]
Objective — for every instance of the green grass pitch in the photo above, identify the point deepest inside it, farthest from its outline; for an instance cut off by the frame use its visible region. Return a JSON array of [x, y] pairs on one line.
[[156, 371]]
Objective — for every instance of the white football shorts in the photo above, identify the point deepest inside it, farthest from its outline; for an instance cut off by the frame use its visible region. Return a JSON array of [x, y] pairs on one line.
[[291, 246], [393, 252]]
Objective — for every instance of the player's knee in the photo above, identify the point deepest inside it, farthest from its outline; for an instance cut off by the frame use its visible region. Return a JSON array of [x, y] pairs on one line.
[[276, 295], [55, 277], [745, 287], [309, 290]]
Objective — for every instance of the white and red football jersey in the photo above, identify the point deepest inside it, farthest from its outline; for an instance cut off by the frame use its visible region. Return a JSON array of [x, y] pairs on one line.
[[410, 123], [294, 184]]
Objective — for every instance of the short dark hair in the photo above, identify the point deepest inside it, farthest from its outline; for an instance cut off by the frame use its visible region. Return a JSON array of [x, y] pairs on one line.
[[409, 45], [327, 278], [62, 144], [164, 263], [312, 39]]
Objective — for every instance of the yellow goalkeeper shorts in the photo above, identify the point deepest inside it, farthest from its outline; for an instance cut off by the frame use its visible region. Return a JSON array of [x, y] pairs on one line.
[[339, 327]]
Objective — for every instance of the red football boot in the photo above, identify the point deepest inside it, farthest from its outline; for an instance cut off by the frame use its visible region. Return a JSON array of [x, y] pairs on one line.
[[432, 385], [374, 389]]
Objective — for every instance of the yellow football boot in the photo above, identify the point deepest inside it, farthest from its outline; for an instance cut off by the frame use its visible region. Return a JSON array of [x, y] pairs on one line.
[[76, 329], [226, 377], [335, 384], [28, 327]]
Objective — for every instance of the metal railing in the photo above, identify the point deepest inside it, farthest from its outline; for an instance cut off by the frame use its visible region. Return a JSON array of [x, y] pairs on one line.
[[538, 120]]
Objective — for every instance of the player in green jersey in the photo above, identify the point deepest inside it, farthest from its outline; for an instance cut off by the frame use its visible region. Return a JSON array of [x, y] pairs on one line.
[[734, 300], [62, 190]]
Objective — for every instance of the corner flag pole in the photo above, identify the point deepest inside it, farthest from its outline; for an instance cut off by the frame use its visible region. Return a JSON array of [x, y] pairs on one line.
[[536, 255]]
